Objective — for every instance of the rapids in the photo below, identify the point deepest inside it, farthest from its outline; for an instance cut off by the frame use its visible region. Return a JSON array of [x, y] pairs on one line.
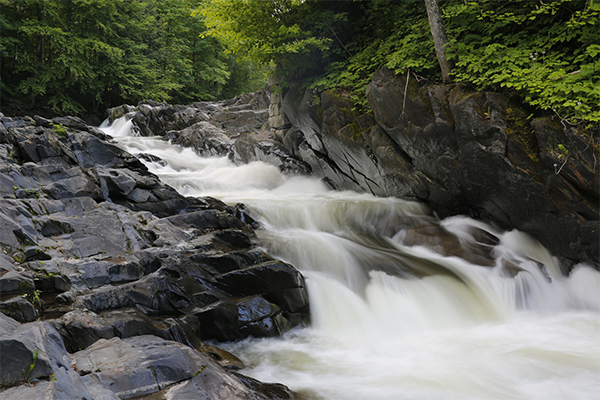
[[396, 322]]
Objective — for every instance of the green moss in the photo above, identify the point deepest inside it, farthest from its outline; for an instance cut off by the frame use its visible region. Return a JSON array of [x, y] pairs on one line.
[[518, 125], [356, 131], [59, 129], [200, 370]]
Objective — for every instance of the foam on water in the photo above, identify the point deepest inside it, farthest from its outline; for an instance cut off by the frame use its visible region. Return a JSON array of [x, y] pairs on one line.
[[394, 322]]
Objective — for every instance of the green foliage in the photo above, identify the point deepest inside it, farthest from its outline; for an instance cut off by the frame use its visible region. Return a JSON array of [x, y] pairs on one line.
[[286, 32], [87, 54], [543, 52], [33, 296], [27, 374], [202, 369], [387, 34], [59, 129], [79, 55]]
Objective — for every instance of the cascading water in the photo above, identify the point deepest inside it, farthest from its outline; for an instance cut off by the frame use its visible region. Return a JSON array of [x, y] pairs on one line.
[[391, 321]]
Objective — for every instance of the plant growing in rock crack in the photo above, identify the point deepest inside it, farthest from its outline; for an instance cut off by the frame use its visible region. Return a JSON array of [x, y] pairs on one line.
[[27, 373], [59, 129], [34, 298], [563, 155], [199, 371]]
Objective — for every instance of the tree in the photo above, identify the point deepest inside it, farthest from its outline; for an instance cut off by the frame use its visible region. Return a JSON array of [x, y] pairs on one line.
[[77, 55], [440, 40], [298, 35]]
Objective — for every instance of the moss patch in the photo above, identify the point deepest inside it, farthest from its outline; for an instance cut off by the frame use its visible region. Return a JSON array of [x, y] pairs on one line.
[[517, 124]]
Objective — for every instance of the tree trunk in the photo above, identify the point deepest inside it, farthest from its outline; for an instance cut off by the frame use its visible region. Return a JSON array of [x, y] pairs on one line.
[[40, 39], [440, 41]]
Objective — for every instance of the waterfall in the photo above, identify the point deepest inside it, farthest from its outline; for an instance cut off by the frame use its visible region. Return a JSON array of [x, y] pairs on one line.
[[395, 314]]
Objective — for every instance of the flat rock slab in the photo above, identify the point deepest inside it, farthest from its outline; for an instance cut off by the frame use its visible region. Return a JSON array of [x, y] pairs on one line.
[[147, 364]]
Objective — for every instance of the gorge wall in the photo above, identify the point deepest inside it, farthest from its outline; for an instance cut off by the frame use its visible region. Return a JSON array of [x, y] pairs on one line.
[[460, 152]]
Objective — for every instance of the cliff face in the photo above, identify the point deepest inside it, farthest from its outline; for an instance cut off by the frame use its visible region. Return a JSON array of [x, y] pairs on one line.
[[459, 152]]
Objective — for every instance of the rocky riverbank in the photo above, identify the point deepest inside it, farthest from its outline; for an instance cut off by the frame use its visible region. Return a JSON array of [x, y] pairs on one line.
[[110, 280]]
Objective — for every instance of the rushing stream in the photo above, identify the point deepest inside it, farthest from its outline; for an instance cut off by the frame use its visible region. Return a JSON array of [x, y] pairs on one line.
[[392, 322]]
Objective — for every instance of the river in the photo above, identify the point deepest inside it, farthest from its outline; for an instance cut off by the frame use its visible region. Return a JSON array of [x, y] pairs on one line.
[[392, 321]]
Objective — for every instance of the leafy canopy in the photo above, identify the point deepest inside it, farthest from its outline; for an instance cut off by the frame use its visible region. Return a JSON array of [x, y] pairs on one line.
[[298, 35], [75, 55], [543, 53]]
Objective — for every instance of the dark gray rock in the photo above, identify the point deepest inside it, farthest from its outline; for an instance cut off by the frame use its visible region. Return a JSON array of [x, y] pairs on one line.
[[7, 325], [205, 138], [235, 319], [261, 278], [146, 364], [236, 129], [82, 328], [20, 309], [234, 238], [248, 148], [118, 255], [15, 282], [17, 348]]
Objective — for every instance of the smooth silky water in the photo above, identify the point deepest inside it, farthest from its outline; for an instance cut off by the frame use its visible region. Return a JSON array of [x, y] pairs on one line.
[[391, 322]]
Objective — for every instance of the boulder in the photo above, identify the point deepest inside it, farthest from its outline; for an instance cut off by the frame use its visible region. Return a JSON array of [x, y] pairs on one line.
[[20, 309], [146, 364], [205, 138], [237, 129], [251, 316]]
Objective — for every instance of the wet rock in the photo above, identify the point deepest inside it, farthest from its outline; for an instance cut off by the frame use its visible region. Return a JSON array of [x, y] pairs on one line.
[[430, 234], [147, 364], [118, 255], [18, 347], [20, 309], [260, 318], [207, 220], [238, 130], [234, 238], [271, 391], [205, 138], [224, 358], [155, 119], [235, 319], [266, 278], [248, 148]]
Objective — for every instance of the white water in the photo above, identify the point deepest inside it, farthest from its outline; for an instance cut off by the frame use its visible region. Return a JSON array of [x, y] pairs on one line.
[[464, 332]]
